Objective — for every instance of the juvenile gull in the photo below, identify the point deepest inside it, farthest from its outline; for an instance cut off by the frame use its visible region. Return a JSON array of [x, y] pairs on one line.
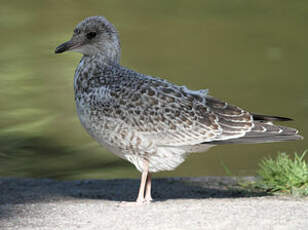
[[148, 121]]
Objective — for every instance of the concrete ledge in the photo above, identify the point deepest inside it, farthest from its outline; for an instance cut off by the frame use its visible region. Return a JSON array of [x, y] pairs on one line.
[[181, 203]]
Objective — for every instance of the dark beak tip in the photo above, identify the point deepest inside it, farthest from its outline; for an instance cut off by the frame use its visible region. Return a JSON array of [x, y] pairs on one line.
[[63, 47], [59, 50]]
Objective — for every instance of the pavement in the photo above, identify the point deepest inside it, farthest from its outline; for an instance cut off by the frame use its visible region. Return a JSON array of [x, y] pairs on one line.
[[180, 203]]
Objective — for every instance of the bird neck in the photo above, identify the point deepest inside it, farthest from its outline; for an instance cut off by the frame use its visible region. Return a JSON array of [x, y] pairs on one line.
[[108, 52]]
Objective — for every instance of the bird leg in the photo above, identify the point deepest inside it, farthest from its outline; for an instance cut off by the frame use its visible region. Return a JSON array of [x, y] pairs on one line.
[[148, 196], [140, 197], [143, 182]]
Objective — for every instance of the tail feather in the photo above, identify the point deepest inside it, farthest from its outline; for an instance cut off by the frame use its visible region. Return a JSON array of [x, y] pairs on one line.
[[264, 132]]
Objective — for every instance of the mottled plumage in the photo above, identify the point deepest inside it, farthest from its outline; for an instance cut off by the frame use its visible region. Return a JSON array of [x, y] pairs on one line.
[[149, 121]]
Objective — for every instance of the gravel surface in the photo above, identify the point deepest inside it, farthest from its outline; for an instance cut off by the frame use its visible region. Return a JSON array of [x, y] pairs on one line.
[[181, 203]]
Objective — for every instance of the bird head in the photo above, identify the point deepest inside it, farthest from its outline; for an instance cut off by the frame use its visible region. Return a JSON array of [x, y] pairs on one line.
[[92, 36]]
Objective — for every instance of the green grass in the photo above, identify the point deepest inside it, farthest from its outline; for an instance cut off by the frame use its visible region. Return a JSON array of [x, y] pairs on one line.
[[284, 175]]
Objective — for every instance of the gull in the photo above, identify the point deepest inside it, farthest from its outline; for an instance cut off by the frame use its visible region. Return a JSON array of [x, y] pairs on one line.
[[149, 121]]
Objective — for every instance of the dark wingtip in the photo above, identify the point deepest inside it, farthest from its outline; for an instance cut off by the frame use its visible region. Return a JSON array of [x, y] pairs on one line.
[[259, 117]]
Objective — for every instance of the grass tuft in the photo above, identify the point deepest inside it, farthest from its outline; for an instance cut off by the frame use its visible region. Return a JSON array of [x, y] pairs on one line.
[[284, 175]]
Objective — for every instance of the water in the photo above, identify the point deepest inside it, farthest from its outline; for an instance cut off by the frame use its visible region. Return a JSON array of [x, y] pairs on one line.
[[253, 54]]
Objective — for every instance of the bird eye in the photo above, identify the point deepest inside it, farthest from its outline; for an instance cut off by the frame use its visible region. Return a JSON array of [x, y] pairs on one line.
[[91, 35], [76, 31]]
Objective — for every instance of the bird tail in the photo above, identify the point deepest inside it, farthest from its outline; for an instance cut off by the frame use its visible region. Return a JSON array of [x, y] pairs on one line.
[[264, 131]]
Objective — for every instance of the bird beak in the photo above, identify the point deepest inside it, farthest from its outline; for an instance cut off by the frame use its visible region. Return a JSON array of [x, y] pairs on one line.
[[66, 46]]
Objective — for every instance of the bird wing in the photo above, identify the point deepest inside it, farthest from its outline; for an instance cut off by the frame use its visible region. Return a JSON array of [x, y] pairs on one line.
[[168, 114], [233, 121]]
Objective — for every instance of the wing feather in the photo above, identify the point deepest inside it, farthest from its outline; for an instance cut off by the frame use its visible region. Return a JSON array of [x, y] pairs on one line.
[[165, 114]]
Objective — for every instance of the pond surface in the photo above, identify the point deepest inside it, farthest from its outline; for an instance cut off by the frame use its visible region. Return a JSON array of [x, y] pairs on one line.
[[250, 53]]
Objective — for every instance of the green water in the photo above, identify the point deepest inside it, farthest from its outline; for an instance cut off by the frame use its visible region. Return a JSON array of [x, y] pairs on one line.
[[250, 53]]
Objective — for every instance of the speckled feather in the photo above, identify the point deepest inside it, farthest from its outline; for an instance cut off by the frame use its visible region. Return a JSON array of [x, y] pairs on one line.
[[140, 117]]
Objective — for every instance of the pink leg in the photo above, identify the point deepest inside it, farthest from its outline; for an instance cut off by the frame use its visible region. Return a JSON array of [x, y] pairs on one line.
[[140, 197], [143, 182], [148, 196]]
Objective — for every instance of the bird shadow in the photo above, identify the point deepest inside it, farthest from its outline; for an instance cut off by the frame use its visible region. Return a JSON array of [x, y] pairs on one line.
[[168, 188], [23, 190], [16, 191]]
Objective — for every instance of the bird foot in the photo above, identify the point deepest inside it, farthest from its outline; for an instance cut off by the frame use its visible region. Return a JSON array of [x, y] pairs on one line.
[[148, 199], [130, 203], [140, 200]]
